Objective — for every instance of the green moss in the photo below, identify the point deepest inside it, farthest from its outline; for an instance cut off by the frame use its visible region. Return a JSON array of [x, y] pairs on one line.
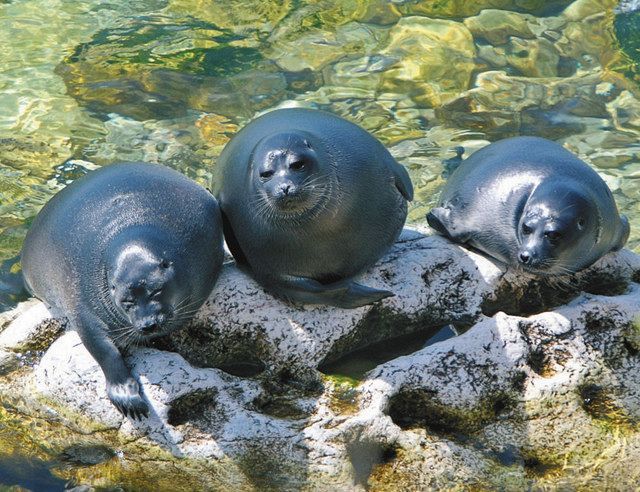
[[343, 396], [141, 465]]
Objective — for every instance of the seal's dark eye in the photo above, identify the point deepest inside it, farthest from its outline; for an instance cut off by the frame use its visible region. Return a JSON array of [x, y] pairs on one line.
[[266, 174], [297, 165], [155, 293], [581, 223], [164, 264], [552, 236], [526, 230]]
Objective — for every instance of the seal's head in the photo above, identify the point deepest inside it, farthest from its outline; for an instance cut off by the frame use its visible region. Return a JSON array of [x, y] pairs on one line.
[[289, 176], [557, 230], [145, 289]]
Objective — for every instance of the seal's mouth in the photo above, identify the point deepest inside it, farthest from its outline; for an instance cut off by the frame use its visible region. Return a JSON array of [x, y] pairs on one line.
[[291, 202]]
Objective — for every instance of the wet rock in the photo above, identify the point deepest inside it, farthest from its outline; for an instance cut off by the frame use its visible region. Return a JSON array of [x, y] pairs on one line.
[[149, 80], [86, 454], [409, 413], [581, 9], [533, 58], [496, 26], [317, 48], [502, 105], [588, 36], [466, 8], [238, 16], [625, 111], [435, 59]]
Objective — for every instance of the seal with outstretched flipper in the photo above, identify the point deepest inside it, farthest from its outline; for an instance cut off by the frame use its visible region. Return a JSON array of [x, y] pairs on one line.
[[127, 253]]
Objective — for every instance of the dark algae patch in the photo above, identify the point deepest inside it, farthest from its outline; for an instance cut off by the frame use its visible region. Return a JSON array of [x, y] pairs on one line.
[[357, 363], [419, 408], [600, 405], [191, 406]]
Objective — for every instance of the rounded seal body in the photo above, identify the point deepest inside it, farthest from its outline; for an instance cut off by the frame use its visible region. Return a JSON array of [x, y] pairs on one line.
[[309, 201], [126, 253], [531, 204]]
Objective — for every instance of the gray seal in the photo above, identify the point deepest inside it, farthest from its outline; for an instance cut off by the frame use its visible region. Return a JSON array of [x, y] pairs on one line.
[[531, 204], [127, 253], [310, 200]]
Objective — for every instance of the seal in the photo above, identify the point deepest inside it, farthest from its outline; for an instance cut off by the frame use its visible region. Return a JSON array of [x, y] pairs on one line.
[[127, 253], [310, 200], [531, 204]]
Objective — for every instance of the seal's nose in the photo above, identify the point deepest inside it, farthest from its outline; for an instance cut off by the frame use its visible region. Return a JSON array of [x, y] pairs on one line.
[[151, 324], [285, 189], [525, 258]]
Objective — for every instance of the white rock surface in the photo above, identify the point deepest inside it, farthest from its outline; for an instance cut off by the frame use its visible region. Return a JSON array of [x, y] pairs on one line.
[[506, 381]]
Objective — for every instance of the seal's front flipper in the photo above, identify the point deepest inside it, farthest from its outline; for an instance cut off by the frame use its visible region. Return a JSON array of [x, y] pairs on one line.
[[122, 389], [401, 179], [623, 234], [344, 294], [440, 219], [232, 242], [126, 398]]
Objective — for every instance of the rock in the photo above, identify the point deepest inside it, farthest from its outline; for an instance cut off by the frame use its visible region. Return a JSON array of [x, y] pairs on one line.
[[238, 16], [536, 390], [533, 58], [581, 9], [223, 75], [496, 26], [625, 111], [466, 8], [502, 105], [504, 383], [315, 49], [588, 36], [435, 59], [33, 329]]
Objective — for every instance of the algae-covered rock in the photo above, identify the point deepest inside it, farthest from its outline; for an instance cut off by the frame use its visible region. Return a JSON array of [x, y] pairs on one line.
[[495, 26], [435, 59], [317, 48], [239, 16], [533, 58], [156, 60]]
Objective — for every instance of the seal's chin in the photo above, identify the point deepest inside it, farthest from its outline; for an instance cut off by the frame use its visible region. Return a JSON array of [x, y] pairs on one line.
[[549, 269]]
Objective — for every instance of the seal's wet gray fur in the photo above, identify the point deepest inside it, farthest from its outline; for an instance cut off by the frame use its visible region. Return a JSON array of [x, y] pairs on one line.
[[126, 253], [528, 202], [347, 196]]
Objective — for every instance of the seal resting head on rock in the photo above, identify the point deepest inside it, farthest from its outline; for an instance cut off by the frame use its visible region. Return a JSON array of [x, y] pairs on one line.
[[531, 204], [310, 200], [127, 253]]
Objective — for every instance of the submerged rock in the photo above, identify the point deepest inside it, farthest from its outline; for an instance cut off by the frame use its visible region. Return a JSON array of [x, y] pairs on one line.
[[435, 59], [511, 396]]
